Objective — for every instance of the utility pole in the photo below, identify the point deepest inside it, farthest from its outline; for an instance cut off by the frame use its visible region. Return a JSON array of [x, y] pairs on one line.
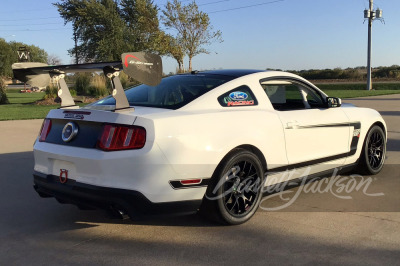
[[371, 15], [76, 45], [370, 19]]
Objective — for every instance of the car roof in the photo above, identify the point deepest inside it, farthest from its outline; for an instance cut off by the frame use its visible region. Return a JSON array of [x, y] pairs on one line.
[[230, 72]]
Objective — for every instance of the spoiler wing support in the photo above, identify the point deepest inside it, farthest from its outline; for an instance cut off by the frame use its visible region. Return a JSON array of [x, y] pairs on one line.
[[121, 102], [63, 90]]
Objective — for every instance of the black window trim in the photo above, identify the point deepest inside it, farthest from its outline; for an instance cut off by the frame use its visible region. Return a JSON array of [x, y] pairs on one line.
[[291, 79]]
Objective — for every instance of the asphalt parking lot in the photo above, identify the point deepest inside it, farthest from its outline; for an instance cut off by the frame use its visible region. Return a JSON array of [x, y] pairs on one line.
[[318, 227]]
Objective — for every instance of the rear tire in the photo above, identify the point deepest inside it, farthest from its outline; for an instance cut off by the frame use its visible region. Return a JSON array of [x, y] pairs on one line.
[[373, 153], [235, 190]]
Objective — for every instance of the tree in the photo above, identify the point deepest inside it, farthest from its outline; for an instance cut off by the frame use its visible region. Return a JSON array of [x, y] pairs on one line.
[[99, 28], [36, 54], [141, 18], [173, 47], [105, 28], [6, 59], [3, 95], [9, 55], [53, 59], [193, 27], [176, 50]]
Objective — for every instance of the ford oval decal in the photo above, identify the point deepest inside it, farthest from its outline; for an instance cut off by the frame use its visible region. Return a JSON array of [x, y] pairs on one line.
[[238, 95]]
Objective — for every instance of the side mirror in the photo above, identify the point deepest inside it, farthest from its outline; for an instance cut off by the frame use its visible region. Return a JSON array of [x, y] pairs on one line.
[[333, 102]]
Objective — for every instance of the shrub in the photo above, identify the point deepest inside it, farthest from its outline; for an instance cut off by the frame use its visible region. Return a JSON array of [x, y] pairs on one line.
[[124, 79], [3, 95], [82, 83], [337, 73], [98, 86], [51, 92]]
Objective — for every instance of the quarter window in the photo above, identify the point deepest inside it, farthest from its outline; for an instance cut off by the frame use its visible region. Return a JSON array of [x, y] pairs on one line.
[[240, 96]]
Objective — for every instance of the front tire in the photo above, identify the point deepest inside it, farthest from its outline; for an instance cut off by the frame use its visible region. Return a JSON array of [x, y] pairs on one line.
[[373, 153], [235, 190]]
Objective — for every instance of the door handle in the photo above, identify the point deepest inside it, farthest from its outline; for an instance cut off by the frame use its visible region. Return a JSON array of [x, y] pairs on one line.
[[292, 125]]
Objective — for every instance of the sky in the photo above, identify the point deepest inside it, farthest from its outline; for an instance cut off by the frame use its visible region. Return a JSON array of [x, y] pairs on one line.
[[279, 34]]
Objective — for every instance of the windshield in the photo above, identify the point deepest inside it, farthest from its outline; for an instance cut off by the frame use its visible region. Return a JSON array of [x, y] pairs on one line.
[[172, 93]]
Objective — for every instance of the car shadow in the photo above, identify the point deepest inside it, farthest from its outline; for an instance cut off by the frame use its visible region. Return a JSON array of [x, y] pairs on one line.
[[22, 206], [390, 113], [393, 145], [22, 209]]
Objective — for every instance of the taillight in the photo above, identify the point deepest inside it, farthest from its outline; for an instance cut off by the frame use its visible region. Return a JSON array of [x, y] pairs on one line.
[[117, 137], [45, 130]]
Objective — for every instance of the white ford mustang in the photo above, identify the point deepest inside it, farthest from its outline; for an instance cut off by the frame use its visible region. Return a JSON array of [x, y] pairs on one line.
[[208, 141]]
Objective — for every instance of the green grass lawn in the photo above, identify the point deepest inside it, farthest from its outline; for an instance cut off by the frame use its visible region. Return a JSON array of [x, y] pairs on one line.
[[24, 111], [358, 86], [353, 90], [15, 97], [22, 106], [358, 93]]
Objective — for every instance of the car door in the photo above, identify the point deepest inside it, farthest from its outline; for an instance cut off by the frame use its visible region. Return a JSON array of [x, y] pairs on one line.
[[314, 133]]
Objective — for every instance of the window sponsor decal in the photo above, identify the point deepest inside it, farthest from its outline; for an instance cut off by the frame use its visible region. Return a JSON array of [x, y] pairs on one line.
[[238, 95], [236, 103]]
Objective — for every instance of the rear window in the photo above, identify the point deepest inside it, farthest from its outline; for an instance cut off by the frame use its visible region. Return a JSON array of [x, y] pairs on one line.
[[172, 93]]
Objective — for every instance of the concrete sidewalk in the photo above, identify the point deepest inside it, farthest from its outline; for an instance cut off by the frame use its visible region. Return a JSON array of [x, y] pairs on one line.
[[19, 135], [389, 107]]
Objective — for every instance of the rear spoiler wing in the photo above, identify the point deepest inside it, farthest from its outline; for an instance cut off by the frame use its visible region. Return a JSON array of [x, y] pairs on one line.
[[143, 67]]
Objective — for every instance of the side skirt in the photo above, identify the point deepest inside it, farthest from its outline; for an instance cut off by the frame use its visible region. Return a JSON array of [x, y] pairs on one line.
[[279, 187]]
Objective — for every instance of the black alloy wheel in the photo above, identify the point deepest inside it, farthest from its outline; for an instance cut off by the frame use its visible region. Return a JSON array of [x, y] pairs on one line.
[[235, 190], [240, 188], [373, 154]]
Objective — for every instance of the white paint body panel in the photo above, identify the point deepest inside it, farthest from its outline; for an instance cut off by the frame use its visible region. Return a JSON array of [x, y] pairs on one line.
[[190, 142]]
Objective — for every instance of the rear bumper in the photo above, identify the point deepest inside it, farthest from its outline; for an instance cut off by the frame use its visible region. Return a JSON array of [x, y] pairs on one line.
[[130, 202]]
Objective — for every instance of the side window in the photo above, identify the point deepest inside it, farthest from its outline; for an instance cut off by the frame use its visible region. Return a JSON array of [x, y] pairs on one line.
[[288, 95], [314, 99], [240, 96]]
